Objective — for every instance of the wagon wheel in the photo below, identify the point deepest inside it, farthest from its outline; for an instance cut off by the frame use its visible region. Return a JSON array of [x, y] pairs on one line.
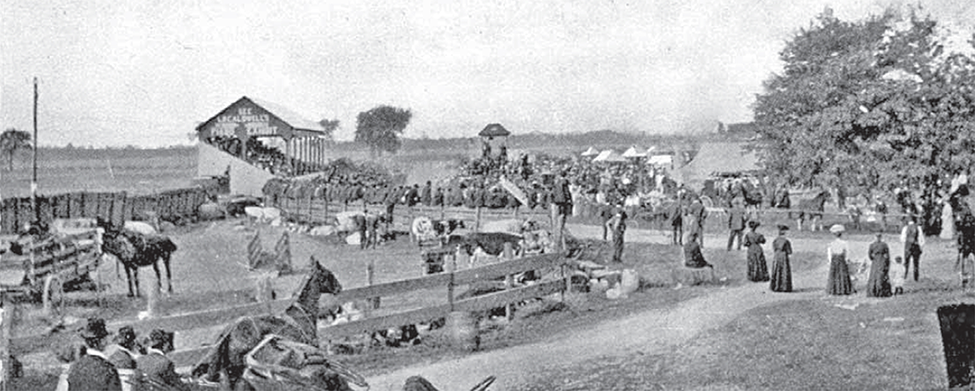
[[53, 296]]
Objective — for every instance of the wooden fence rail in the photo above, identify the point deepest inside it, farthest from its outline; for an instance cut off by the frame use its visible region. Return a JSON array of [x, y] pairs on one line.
[[115, 207], [187, 356]]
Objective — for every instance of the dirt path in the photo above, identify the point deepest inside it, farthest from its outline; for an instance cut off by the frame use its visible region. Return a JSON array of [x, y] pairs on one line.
[[651, 332]]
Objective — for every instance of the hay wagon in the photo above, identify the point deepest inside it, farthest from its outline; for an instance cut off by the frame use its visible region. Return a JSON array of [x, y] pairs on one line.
[[47, 267]]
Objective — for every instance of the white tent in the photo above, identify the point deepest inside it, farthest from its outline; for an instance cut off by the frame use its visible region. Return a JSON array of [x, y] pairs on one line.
[[590, 152], [632, 152], [609, 156], [661, 160]]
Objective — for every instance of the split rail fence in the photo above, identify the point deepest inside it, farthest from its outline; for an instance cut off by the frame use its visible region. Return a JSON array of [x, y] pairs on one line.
[[116, 207]]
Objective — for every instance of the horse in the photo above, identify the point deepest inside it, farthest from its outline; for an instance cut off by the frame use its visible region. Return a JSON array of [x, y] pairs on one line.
[[135, 250], [299, 323], [811, 209]]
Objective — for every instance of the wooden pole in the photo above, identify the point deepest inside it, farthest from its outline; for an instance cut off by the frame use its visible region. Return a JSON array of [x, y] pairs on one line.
[[451, 268], [33, 180], [509, 281], [6, 320]]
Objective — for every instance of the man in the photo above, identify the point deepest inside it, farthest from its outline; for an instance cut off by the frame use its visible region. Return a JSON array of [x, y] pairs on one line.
[[605, 215], [618, 225], [361, 226], [372, 227], [155, 366], [426, 194], [736, 223], [122, 354], [698, 213], [92, 371], [913, 240], [677, 222]]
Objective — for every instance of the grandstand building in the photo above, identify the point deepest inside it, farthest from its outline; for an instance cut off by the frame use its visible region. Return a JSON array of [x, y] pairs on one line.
[[253, 141]]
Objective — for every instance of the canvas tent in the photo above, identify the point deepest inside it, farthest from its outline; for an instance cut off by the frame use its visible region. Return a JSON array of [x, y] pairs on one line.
[[609, 156], [633, 153], [717, 159], [590, 152], [661, 160]]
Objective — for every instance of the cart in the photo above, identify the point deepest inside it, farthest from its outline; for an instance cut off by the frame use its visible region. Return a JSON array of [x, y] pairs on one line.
[[48, 266]]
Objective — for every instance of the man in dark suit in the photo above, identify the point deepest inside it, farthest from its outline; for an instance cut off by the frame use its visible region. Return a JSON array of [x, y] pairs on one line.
[[155, 366], [699, 213], [92, 371], [736, 223], [122, 354], [426, 194]]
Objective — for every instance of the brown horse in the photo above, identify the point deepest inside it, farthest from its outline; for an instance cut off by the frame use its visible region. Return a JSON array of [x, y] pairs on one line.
[[298, 323], [135, 250]]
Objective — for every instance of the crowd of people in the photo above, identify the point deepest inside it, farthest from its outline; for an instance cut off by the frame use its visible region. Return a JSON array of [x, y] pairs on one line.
[[102, 363]]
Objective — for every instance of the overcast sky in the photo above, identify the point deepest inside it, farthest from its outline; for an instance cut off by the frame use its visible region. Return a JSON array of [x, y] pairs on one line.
[[146, 72]]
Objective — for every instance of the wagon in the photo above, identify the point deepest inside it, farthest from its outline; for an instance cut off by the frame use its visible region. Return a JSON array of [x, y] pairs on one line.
[[49, 266]]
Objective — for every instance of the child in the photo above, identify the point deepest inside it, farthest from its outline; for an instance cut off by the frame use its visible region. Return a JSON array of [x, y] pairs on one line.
[[896, 274]]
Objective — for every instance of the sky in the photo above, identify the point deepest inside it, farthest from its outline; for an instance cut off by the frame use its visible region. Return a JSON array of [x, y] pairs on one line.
[[145, 73]]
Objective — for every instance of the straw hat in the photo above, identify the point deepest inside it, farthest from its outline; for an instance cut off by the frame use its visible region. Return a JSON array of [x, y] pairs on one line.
[[837, 228]]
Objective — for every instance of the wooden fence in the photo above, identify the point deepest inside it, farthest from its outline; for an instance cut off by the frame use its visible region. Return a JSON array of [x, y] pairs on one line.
[[318, 211], [115, 207], [447, 282]]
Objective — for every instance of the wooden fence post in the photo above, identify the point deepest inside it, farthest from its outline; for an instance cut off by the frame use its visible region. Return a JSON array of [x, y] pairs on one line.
[[6, 320], [509, 281], [451, 268], [477, 219]]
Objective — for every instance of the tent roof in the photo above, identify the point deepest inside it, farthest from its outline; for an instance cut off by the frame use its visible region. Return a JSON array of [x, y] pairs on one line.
[[632, 152], [494, 130], [590, 152], [609, 156], [716, 159], [661, 159]]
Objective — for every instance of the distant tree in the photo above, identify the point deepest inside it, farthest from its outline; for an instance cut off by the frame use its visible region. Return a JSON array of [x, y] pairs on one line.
[[11, 141], [329, 126], [380, 127]]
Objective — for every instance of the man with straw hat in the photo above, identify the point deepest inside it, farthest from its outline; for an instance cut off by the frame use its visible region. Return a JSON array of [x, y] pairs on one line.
[[92, 371]]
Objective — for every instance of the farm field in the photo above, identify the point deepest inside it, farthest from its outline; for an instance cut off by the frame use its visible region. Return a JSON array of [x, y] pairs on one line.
[[137, 171]]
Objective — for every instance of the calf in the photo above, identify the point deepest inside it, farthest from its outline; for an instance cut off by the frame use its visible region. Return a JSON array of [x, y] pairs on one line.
[[492, 243]]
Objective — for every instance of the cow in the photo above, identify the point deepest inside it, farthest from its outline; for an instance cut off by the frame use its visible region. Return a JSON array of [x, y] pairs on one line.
[[487, 243]]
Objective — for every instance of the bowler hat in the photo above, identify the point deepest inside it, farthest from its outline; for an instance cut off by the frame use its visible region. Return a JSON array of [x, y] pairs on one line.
[[125, 336], [160, 339], [753, 224], [95, 328]]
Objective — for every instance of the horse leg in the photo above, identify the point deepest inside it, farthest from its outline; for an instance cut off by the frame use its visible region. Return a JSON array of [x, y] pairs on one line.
[[128, 278], [169, 274], [155, 268], [135, 276]]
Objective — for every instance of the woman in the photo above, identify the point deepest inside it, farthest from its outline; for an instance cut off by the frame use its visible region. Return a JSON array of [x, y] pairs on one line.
[[693, 257], [839, 273], [757, 269], [781, 270], [879, 285]]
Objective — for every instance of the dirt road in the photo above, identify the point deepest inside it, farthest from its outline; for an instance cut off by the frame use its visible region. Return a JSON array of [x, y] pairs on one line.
[[651, 332]]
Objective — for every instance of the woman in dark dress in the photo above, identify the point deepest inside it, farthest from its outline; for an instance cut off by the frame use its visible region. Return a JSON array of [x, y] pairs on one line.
[[781, 270], [693, 257], [839, 282], [757, 269], [879, 284]]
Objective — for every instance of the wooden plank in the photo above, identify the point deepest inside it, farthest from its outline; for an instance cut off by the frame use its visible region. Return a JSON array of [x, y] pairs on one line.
[[505, 268], [499, 299], [369, 325], [395, 287], [479, 303]]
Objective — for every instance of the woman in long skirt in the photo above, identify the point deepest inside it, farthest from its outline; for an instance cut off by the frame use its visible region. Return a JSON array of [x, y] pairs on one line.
[[757, 268], [839, 273], [781, 270], [879, 284]]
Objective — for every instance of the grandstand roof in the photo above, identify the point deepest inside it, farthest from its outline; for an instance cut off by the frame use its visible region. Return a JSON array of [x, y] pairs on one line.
[[494, 130]]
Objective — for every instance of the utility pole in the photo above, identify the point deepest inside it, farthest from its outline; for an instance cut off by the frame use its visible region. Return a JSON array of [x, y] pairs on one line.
[[33, 180]]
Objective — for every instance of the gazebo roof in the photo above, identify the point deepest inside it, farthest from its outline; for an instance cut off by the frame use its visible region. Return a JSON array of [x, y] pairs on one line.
[[494, 130]]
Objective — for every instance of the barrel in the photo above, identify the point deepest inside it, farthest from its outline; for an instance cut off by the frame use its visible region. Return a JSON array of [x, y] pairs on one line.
[[462, 328]]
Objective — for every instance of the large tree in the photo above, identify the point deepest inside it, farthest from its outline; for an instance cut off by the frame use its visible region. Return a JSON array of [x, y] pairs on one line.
[[12, 141], [875, 105], [329, 126], [380, 127]]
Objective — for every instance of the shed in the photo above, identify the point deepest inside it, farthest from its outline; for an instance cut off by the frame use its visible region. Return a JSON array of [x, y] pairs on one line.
[[719, 159]]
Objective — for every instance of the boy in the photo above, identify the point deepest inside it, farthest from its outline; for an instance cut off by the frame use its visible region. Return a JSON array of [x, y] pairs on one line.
[[896, 274]]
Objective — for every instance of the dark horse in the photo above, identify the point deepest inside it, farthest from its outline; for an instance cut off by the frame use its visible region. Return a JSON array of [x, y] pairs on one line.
[[811, 209], [298, 323], [135, 250]]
